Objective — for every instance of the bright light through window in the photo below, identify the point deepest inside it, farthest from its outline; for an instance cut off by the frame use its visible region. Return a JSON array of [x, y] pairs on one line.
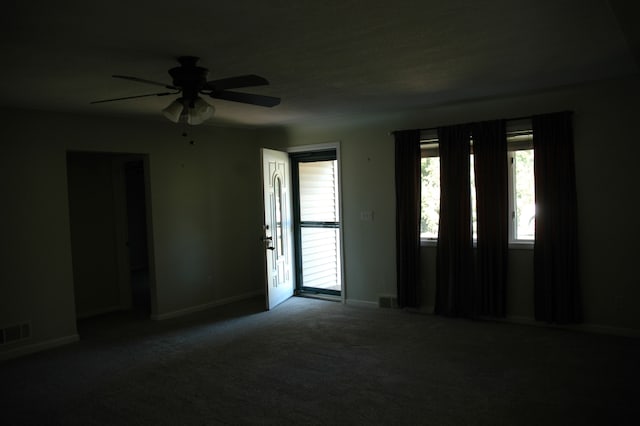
[[430, 213], [521, 187], [524, 201]]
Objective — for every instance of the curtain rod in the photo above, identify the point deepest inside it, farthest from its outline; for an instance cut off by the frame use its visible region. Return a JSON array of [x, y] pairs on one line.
[[526, 117]]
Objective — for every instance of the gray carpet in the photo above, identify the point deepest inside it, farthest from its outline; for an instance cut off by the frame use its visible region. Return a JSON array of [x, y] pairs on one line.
[[318, 362]]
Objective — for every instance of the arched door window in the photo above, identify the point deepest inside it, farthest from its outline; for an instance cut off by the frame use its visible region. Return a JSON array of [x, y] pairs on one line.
[[278, 237]]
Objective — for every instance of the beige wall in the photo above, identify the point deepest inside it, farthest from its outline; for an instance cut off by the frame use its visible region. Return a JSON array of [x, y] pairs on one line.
[[94, 231], [205, 208], [607, 151], [35, 253]]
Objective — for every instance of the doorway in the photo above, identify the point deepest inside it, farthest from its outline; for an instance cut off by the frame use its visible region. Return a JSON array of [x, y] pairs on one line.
[[317, 222], [108, 215], [136, 211]]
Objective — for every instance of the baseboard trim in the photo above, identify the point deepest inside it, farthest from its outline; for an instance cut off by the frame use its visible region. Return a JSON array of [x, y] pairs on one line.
[[617, 331], [205, 306], [361, 303], [586, 328], [430, 310], [589, 328], [96, 312], [37, 347]]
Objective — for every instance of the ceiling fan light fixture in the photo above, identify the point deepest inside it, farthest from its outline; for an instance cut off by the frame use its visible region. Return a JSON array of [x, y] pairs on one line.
[[177, 111], [200, 112], [174, 110]]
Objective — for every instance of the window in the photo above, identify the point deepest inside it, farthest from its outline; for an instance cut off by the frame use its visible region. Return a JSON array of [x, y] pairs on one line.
[[522, 201], [521, 184], [430, 206]]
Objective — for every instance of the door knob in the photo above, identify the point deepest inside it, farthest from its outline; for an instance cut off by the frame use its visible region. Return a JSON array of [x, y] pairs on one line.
[[267, 243]]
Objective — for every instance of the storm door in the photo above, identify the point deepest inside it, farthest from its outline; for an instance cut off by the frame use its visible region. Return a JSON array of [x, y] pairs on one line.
[[316, 222]]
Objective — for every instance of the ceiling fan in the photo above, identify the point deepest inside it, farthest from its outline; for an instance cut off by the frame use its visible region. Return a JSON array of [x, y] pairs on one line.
[[190, 81]]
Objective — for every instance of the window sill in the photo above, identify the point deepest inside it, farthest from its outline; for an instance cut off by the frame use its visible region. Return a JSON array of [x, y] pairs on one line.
[[428, 242], [521, 245], [513, 245]]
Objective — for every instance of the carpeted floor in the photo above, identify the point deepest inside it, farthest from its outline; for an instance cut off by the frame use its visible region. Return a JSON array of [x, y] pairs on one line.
[[317, 362]]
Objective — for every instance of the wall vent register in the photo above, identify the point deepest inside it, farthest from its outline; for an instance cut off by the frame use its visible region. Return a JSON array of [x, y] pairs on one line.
[[15, 333]]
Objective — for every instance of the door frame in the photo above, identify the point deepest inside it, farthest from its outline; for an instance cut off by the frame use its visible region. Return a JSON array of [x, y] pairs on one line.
[[327, 147], [121, 253], [120, 160]]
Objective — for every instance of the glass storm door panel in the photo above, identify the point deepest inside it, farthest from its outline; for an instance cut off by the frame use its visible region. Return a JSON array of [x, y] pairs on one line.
[[318, 223], [320, 253]]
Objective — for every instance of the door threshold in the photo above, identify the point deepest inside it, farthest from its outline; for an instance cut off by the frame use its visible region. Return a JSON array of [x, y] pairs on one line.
[[327, 297]]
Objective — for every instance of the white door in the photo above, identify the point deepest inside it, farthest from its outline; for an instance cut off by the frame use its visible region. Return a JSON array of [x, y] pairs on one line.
[[278, 227]]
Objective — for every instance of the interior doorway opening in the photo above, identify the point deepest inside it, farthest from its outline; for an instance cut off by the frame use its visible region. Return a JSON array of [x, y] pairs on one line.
[[317, 222], [110, 233], [136, 207]]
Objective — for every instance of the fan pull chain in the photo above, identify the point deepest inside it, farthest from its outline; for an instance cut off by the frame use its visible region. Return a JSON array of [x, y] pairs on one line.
[[184, 126], [185, 133]]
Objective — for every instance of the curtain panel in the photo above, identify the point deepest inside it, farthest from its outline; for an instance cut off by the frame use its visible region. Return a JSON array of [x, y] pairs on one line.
[[408, 202], [492, 208], [454, 261], [557, 293]]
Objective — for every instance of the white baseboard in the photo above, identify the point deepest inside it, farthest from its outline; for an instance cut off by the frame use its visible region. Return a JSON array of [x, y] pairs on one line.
[[604, 329], [37, 347], [589, 328], [427, 309], [205, 306], [361, 303], [95, 312], [368, 304]]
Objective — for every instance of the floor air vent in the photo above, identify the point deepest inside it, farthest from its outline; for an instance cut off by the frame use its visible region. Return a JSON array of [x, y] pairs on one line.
[[387, 302], [15, 333]]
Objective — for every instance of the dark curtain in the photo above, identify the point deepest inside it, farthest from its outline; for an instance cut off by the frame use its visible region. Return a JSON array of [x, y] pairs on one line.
[[557, 296], [492, 207], [408, 201], [454, 260]]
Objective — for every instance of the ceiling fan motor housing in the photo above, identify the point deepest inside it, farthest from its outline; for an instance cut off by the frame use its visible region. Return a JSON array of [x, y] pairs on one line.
[[190, 81], [190, 78]]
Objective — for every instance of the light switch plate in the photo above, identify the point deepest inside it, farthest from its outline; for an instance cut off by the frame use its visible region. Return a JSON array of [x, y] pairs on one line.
[[366, 216]]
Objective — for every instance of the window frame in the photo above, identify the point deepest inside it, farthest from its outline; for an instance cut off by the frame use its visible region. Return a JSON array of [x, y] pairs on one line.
[[428, 149], [519, 137]]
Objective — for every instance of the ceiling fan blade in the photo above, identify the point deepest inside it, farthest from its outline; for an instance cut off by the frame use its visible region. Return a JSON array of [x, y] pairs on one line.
[[247, 98], [235, 82], [142, 80], [134, 97]]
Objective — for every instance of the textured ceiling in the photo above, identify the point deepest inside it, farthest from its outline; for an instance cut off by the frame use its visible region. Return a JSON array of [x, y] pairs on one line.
[[323, 58]]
